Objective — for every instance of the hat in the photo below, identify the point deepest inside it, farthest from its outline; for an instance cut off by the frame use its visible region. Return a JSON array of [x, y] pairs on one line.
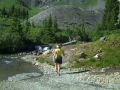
[[57, 46]]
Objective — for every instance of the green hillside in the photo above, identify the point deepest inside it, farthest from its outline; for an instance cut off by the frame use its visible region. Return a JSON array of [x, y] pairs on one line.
[[17, 3], [77, 3], [8, 3], [109, 56], [19, 7]]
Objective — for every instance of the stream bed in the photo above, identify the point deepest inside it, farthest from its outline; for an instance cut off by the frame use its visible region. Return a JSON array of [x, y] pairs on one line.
[[19, 74], [17, 69]]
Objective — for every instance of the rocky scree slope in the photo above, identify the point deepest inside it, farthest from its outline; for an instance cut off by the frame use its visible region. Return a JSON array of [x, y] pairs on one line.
[[68, 16]]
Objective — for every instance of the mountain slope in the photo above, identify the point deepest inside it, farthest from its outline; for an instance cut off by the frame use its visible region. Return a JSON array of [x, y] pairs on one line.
[[68, 12], [72, 12], [68, 16], [36, 6]]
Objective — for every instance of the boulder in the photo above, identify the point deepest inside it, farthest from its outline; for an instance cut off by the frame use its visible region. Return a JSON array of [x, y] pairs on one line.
[[97, 56], [36, 63], [46, 48], [46, 52], [103, 38], [82, 55]]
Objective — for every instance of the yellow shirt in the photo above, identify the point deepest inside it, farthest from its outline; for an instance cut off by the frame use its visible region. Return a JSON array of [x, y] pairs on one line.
[[58, 52]]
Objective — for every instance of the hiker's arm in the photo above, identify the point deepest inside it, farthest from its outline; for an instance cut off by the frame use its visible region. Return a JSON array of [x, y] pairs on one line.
[[63, 53], [54, 53]]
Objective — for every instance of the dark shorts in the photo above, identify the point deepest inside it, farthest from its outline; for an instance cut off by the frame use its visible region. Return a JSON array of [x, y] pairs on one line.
[[58, 60]]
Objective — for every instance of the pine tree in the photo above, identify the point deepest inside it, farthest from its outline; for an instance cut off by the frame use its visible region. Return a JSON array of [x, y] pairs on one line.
[[55, 25], [12, 10], [23, 13], [18, 13], [4, 12], [69, 33], [27, 14], [16, 26], [110, 18], [55, 29], [26, 30], [27, 26], [16, 37], [47, 33], [50, 22]]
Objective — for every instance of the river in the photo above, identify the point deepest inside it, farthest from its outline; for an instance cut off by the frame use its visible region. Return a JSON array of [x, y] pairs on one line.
[[11, 66]]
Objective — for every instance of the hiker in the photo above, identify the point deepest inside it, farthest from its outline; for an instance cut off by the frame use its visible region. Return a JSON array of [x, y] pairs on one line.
[[57, 54]]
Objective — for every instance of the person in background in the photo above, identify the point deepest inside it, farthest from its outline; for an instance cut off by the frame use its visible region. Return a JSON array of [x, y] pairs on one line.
[[58, 53]]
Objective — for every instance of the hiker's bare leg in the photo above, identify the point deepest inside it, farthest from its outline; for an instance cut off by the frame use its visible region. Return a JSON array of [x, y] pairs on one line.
[[59, 69], [56, 67]]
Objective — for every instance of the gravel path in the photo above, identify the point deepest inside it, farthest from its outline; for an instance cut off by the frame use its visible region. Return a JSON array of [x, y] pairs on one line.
[[68, 80]]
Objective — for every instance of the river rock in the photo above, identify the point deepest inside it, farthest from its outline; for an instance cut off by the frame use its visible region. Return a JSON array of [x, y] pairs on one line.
[[103, 70], [23, 76], [46, 52], [103, 38], [82, 55], [97, 56], [8, 62]]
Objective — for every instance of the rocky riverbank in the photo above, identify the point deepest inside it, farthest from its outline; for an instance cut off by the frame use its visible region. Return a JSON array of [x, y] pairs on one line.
[[93, 77], [75, 79]]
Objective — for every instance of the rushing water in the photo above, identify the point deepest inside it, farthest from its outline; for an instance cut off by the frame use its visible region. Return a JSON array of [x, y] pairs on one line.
[[10, 66]]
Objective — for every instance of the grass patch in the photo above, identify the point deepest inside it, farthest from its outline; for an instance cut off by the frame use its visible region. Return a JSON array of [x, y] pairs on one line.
[[34, 11], [110, 53], [77, 3]]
